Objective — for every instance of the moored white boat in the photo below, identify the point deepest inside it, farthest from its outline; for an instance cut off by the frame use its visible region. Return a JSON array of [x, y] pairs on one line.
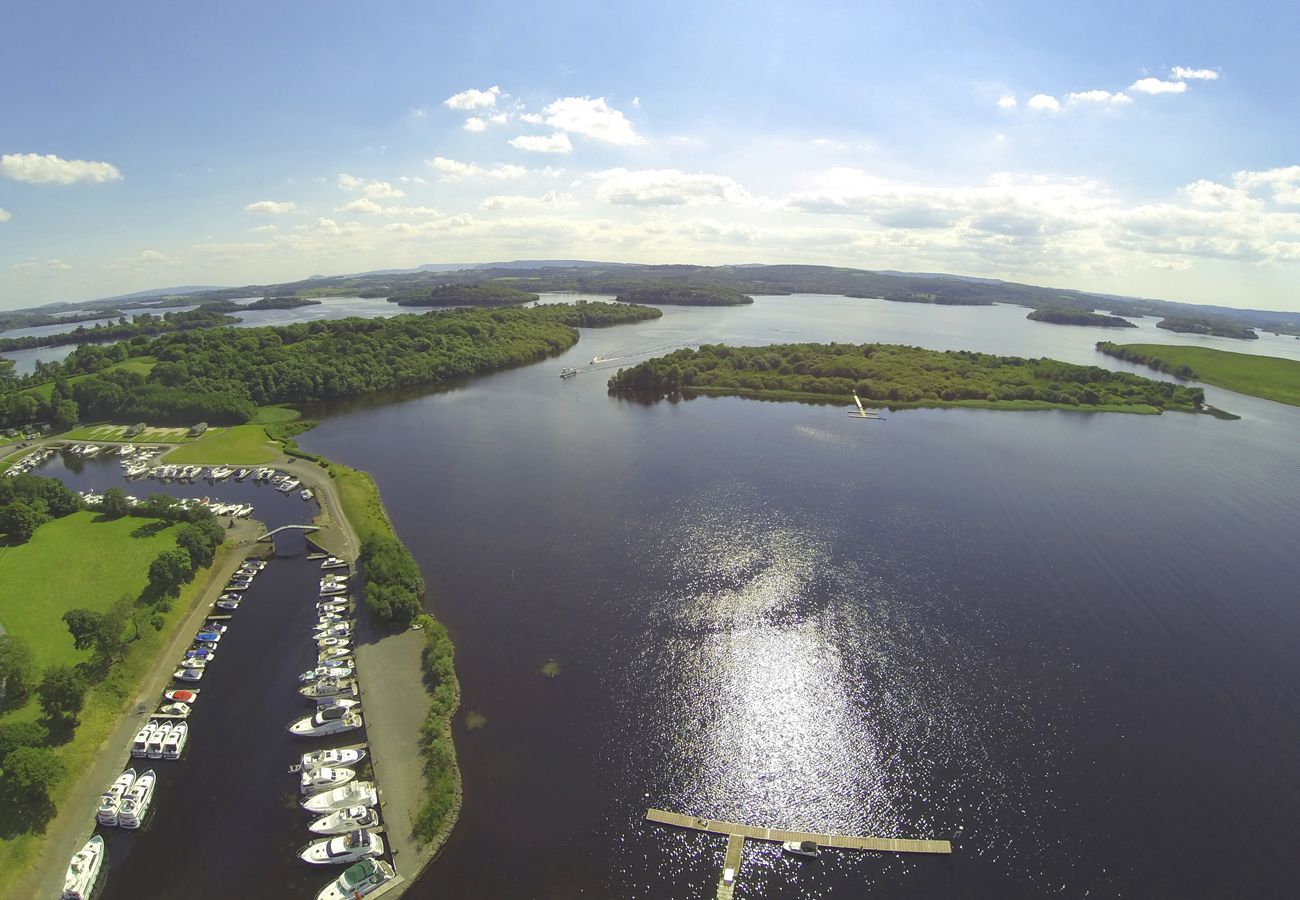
[[181, 695], [83, 870], [182, 710], [801, 848], [345, 820], [354, 793], [359, 880], [174, 743], [344, 849], [329, 687], [326, 778], [326, 722], [317, 759], [333, 654], [325, 703], [326, 669], [109, 801], [157, 739], [135, 805], [140, 746], [187, 674], [333, 562]]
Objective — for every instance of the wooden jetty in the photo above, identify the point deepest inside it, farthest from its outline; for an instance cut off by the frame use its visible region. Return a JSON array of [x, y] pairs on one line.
[[737, 833]]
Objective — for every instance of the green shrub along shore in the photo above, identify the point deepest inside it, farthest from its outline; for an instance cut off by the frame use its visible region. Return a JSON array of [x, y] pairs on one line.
[[441, 796], [1269, 377], [897, 376]]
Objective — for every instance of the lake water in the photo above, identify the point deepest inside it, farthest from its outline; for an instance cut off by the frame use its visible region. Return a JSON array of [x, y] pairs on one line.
[[1070, 634]]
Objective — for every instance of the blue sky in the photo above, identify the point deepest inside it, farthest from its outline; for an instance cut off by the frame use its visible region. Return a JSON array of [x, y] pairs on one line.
[[1145, 149]]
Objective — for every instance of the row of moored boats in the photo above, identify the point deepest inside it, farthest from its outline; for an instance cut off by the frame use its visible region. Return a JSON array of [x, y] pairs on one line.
[[345, 804]]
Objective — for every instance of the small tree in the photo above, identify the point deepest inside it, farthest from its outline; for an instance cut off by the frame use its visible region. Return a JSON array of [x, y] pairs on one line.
[[85, 625], [30, 773], [62, 692], [17, 671], [20, 520], [115, 504], [169, 571], [20, 734]]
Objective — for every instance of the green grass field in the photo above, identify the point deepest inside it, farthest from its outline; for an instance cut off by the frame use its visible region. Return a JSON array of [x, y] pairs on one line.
[[1259, 376], [238, 444], [69, 563]]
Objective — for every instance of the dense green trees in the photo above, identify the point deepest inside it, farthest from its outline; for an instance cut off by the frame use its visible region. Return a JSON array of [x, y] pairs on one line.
[[887, 374], [169, 570], [219, 375], [28, 501], [17, 671], [678, 295], [143, 324], [30, 773], [1217, 327], [200, 541], [394, 587], [462, 295], [62, 691], [1160, 365], [1059, 316], [282, 303], [438, 800]]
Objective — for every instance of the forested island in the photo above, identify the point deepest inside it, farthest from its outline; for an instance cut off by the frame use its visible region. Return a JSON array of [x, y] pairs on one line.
[[898, 376], [221, 375], [1216, 327], [12, 320], [210, 316], [281, 302], [1059, 316], [1246, 373], [671, 295], [462, 295], [931, 297]]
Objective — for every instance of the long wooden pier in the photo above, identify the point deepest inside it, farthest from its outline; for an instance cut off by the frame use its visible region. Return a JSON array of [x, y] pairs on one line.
[[737, 833]]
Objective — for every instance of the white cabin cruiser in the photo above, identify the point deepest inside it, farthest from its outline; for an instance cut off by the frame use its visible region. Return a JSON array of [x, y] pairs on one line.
[[140, 746], [182, 710], [325, 703], [187, 674], [135, 805], [801, 848], [317, 759], [329, 687], [344, 849], [112, 798], [345, 820], [354, 793], [83, 870], [156, 740], [326, 722], [334, 654], [359, 880], [333, 562], [326, 778], [174, 743], [326, 670]]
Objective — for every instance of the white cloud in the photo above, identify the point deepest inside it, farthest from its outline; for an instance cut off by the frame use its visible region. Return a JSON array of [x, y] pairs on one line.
[[549, 200], [452, 170], [153, 256], [595, 119], [265, 229], [50, 169], [538, 143], [474, 124], [145, 259], [375, 190], [34, 263], [666, 187], [531, 118], [271, 207], [1157, 86], [327, 226], [1106, 97], [1007, 101], [1194, 74], [473, 99], [363, 205], [498, 118], [4, 215], [1283, 182], [1044, 102], [1177, 265]]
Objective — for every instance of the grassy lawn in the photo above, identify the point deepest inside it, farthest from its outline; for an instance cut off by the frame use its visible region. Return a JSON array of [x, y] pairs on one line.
[[361, 503], [1245, 373], [104, 705], [73, 562], [109, 432], [237, 444]]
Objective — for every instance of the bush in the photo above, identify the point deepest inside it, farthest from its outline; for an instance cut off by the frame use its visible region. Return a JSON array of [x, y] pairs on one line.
[[21, 734]]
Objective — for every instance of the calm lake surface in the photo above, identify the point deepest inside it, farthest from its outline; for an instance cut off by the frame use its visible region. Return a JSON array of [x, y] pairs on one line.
[[1072, 635]]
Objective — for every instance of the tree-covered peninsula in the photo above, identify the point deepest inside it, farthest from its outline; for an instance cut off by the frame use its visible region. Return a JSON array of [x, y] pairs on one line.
[[462, 295], [1215, 327], [1060, 316], [1246, 373], [221, 375], [209, 316], [282, 302], [677, 295], [897, 376]]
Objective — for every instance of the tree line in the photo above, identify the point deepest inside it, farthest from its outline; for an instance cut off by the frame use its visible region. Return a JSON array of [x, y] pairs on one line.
[[123, 328]]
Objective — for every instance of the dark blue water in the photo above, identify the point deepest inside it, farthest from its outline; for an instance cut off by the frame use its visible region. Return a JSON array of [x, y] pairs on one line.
[[1071, 634]]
